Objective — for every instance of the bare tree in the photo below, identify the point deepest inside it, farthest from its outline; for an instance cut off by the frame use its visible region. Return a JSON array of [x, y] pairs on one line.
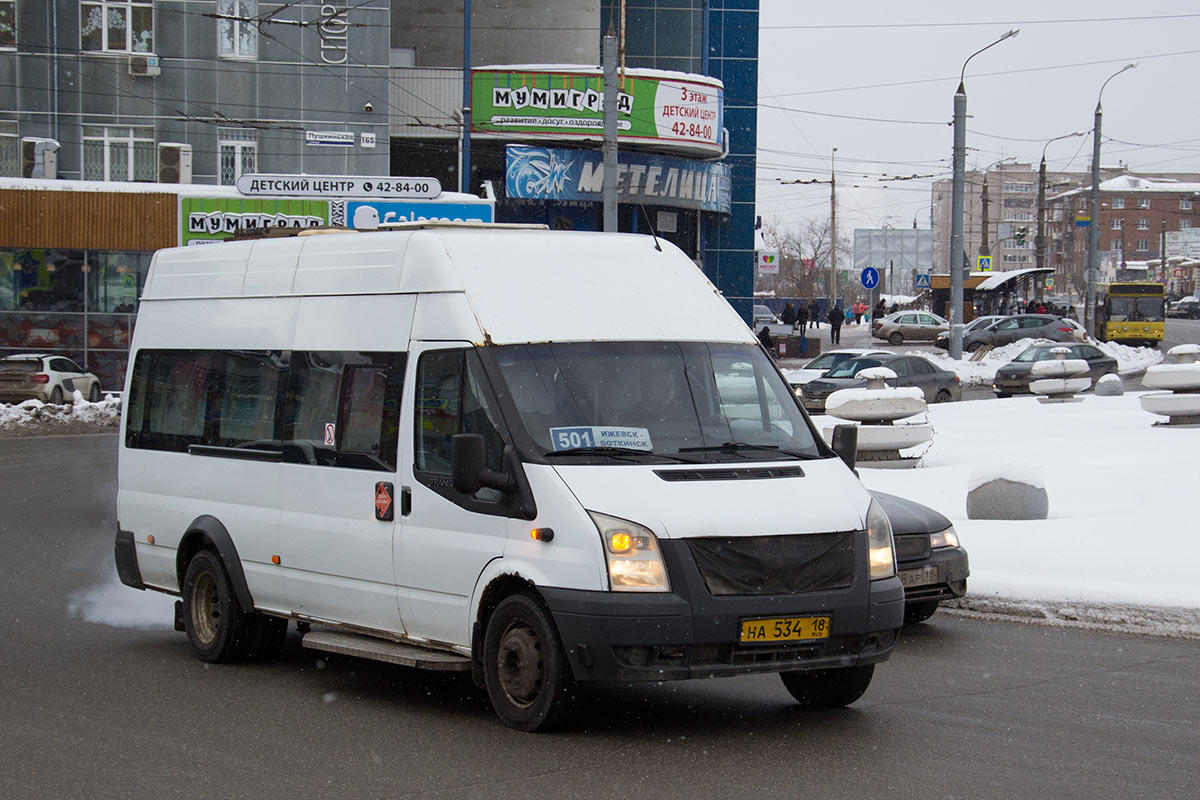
[[804, 260]]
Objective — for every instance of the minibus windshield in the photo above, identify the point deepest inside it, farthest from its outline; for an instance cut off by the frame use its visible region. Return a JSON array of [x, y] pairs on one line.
[[690, 401]]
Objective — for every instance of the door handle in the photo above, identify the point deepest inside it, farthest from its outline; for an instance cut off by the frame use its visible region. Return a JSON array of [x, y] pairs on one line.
[[405, 501]]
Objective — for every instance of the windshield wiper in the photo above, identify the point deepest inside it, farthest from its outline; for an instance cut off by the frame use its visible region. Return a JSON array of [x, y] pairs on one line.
[[613, 451], [737, 447]]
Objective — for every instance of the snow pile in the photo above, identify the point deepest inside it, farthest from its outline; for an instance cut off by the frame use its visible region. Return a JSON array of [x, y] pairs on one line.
[[35, 413], [1130, 360], [844, 397], [1013, 471], [1123, 497]]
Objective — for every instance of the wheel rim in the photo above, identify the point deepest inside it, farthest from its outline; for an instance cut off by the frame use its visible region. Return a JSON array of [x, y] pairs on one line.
[[520, 667], [206, 608]]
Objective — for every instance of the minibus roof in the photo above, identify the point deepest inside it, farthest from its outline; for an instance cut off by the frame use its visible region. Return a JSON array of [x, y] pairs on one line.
[[498, 284]]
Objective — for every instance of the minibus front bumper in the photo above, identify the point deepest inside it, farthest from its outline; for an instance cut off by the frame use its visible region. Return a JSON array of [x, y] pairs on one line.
[[690, 633]]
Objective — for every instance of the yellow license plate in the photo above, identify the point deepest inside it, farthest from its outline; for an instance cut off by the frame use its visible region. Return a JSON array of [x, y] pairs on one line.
[[784, 629]]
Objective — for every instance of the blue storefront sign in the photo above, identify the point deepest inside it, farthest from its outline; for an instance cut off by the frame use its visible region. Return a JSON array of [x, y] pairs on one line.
[[367, 214], [551, 173]]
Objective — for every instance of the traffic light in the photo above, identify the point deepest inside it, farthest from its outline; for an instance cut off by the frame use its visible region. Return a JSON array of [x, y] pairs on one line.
[[1021, 232]]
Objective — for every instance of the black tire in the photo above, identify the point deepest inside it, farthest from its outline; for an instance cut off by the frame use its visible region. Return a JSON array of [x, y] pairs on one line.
[[529, 681], [973, 346], [1002, 395], [94, 393], [56, 395], [828, 688], [896, 338], [216, 628], [919, 611], [943, 396]]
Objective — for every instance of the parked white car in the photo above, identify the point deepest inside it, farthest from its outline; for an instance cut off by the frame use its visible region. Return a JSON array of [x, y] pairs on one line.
[[48, 378], [825, 362]]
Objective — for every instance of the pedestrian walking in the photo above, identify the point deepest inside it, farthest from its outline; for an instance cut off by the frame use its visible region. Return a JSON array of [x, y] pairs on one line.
[[802, 316], [814, 314], [788, 315], [835, 326]]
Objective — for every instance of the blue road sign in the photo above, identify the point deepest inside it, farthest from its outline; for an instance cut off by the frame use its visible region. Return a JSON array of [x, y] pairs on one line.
[[922, 281], [870, 278]]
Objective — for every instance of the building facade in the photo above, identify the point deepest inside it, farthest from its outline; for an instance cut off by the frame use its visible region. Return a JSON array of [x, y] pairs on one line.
[[1002, 202], [1139, 218], [105, 105], [696, 190]]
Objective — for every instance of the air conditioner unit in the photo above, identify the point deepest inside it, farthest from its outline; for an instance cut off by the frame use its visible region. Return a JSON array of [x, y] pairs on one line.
[[144, 64], [39, 157], [174, 162]]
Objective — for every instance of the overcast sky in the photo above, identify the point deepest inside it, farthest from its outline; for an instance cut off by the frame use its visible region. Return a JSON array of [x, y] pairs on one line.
[[824, 66]]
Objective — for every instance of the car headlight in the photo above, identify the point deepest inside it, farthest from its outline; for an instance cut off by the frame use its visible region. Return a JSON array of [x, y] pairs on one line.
[[634, 561], [880, 553], [946, 538]]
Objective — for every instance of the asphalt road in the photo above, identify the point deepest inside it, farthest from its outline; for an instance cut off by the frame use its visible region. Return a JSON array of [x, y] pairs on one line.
[[965, 708]]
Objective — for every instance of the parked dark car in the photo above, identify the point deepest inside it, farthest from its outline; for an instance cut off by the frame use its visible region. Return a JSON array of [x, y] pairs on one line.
[[930, 561], [1184, 309], [1024, 326], [1015, 376], [942, 342], [938, 385]]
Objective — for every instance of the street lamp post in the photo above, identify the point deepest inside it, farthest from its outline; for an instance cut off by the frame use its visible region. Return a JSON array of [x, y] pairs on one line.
[[1093, 260], [1039, 241], [832, 228], [956, 203]]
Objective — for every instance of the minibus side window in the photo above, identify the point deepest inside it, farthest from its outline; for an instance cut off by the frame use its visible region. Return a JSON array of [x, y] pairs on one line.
[[453, 398], [343, 409], [216, 398]]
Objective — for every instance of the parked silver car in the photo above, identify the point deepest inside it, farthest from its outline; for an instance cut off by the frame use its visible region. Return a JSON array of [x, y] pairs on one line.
[[909, 326]]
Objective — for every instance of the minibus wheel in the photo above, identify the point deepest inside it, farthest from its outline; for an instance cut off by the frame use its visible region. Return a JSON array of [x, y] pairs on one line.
[[529, 681], [215, 626], [828, 688]]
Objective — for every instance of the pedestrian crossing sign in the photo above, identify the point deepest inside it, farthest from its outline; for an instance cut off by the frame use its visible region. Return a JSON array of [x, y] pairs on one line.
[[983, 263], [922, 280]]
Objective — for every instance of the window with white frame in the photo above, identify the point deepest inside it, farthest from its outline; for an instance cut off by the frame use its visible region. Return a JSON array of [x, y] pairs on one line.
[[1143, 245], [237, 30], [237, 153], [118, 153], [1144, 202], [1118, 223], [1012, 258], [1017, 186], [1185, 204], [1118, 202], [8, 24], [1143, 224], [1184, 224], [1117, 245], [116, 26], [10, 150]]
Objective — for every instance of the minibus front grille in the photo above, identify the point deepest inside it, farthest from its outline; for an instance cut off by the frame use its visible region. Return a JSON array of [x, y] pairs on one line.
[[770, 565], [729, 474]]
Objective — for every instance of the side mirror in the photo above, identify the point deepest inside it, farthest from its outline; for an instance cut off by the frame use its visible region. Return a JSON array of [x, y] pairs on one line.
[[468, 466], [845, 443], [468, 456]]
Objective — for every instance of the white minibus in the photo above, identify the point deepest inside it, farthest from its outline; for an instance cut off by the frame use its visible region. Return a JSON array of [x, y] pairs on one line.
[[543, 458]]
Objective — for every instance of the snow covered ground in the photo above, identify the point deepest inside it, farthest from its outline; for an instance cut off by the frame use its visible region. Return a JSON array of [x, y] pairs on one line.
[[1119, 550]]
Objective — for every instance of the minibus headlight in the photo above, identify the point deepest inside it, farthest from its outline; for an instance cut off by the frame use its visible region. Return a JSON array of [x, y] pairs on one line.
[[946, 538], [879, 543], [634, 561]]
